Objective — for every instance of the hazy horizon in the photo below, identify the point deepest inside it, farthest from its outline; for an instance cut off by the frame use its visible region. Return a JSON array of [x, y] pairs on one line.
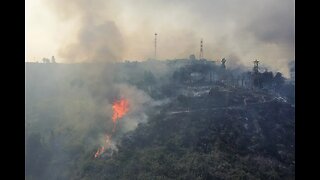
[[240, 31]]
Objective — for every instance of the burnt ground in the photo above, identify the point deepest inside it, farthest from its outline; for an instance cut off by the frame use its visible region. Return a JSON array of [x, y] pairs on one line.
[[228, 133]]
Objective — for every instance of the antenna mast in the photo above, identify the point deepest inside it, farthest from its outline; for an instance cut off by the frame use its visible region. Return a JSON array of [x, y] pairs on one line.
[[155, 46], [201, 50], [256, 66]]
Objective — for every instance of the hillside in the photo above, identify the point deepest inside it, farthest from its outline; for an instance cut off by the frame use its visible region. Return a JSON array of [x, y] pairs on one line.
[[237, 141], [185, 121]]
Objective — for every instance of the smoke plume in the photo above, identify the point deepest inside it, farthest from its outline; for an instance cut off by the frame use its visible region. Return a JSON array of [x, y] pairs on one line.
[[98, 39], [125, 29]]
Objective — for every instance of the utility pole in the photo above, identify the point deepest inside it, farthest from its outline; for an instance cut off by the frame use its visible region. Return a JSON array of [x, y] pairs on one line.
[[155, 46]]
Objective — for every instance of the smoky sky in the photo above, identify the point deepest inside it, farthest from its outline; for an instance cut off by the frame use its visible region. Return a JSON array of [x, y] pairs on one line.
[[94, 43], [124, 30]]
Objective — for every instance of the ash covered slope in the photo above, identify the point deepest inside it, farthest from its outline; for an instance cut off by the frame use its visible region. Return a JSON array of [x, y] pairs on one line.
[[250, 136]]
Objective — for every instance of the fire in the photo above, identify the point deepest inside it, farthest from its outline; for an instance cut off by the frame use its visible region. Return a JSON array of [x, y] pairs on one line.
[[120, 108], [102, 149], [99, 152]]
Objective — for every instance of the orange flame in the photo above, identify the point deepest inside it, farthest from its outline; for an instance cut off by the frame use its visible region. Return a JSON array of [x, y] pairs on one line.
[[107, 144], [99, 152], [120, 108]]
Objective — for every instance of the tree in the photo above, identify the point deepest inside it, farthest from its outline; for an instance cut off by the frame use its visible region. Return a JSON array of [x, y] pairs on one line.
[[53, 60], [149, 78], [267, 78], [45, 60], [278, 80], [192, 57]]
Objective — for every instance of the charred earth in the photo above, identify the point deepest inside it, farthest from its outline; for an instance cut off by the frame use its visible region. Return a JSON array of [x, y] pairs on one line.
[[229, 133]]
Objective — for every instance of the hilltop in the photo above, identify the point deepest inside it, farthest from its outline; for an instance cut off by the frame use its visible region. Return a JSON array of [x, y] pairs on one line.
[[188, 120]]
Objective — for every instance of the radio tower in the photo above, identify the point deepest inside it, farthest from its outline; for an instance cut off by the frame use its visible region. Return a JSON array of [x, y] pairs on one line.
[[256, 66], [201, 50], [155, 46]]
